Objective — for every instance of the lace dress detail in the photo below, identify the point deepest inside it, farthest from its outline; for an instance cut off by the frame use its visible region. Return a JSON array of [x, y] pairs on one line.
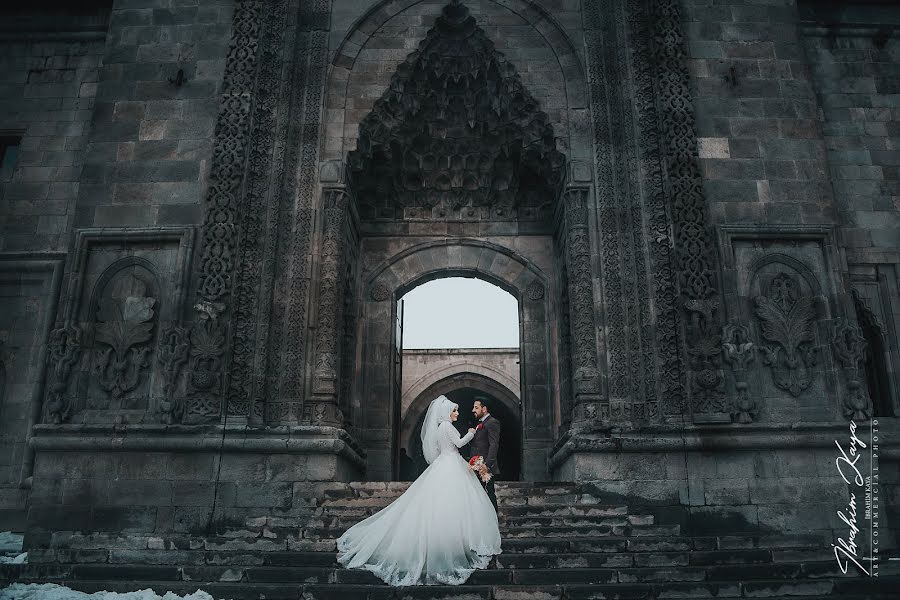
[[439, 531]]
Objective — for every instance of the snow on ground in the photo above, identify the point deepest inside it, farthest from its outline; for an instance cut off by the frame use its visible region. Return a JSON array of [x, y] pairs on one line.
[[51, 591], [11, 549], [18, 559], [10, 542]]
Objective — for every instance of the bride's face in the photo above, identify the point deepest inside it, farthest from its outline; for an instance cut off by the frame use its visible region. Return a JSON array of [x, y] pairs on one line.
[[454, 414]]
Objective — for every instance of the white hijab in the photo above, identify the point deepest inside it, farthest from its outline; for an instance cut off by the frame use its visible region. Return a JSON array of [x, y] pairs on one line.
[[438, 412]]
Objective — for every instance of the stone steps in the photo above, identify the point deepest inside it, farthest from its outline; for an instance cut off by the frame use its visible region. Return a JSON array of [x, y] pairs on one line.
[[846, 589], [523, 570], [558, 544]]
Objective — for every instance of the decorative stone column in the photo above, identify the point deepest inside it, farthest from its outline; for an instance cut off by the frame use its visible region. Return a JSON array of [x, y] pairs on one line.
[[585, 373], [323, 407]]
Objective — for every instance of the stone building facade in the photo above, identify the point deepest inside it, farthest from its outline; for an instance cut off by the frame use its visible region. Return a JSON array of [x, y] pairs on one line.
[[211, 209]]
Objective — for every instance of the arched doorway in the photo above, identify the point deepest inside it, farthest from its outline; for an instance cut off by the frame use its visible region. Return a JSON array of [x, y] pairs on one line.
[[375, 388], [464, 389]]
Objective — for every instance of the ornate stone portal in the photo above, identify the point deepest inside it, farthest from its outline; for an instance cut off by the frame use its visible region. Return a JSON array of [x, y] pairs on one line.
[[650, 340]]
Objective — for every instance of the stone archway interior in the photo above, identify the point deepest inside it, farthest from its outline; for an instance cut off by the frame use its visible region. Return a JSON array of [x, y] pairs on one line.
[[456, 172], [509, 455]]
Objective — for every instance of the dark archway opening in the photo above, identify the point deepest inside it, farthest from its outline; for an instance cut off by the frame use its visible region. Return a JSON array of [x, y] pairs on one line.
[[874, 365], [509, 455]]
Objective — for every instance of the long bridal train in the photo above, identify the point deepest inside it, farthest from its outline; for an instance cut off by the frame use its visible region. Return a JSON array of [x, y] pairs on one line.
[[441, 529]]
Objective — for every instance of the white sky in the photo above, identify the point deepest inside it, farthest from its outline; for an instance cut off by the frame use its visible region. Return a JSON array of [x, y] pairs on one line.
[[459, 312]]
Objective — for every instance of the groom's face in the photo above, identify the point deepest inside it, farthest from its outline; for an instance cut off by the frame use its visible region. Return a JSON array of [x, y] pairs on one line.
[[478, 410]]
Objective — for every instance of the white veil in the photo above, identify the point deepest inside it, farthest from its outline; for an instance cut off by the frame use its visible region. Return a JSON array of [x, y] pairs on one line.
[[438, 412]]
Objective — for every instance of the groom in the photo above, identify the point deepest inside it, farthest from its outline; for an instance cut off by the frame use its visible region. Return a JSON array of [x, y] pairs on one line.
[[486, 443]]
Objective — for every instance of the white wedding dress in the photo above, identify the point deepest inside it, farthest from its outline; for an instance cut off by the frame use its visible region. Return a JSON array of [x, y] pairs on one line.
[[441, 529]]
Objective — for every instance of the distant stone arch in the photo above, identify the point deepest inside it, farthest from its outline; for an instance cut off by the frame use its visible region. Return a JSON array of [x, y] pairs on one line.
[[506, 408]]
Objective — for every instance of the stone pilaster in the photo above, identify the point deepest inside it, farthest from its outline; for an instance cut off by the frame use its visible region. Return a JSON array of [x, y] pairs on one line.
[[323, 407], [585, 374]]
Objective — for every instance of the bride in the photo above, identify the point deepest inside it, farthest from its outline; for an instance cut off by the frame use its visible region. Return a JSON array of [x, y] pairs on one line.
[[441, 529]]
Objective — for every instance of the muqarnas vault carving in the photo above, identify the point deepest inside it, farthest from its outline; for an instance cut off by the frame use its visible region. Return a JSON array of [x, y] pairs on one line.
[[457, 129]]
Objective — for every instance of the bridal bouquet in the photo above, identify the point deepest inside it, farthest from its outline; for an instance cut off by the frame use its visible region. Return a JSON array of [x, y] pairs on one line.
[[476, 463]]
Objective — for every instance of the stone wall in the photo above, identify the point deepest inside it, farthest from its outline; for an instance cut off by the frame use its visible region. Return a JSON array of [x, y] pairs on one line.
[[854, 60], [29, 289], [47, 98], [88, 501], [151, 138], [760, 140], [47, 86], [855, 64]]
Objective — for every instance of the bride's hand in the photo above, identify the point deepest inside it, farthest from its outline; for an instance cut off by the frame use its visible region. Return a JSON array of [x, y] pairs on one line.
[[471, 430]]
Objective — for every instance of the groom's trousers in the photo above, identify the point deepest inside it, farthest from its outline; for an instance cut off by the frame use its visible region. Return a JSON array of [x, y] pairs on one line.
[[489, 488]]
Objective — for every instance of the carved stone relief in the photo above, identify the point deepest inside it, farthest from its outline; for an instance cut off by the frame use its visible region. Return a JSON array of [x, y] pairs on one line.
[[107, 357], [174, 348], [786, 314], [286, 354], [693, 249], [874, 318], [576, 240], [849, 347], [652, 217], [739, 351], [65, 352], [329, 328], [222, 215], [123, 331], [456, 129], [203, 377], [245, 392]]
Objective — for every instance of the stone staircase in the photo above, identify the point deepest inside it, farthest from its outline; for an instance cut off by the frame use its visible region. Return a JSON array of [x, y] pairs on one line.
[[559, 542]]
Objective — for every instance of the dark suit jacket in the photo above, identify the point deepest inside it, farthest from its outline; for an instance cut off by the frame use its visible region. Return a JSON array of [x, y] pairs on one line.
[[486, 443]]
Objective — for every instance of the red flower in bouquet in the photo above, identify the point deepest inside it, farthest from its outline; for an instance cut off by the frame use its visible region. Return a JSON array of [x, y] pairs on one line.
[[476, 463]]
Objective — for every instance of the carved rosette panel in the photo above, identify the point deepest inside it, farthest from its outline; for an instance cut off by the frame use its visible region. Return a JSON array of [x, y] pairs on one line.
[[456, 129], [585, 376], [786, 317], [329, 325], [125, 324]]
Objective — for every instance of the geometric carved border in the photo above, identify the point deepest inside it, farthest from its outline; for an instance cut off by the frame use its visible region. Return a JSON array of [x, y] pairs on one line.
[[245, 389], [694, 251]]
